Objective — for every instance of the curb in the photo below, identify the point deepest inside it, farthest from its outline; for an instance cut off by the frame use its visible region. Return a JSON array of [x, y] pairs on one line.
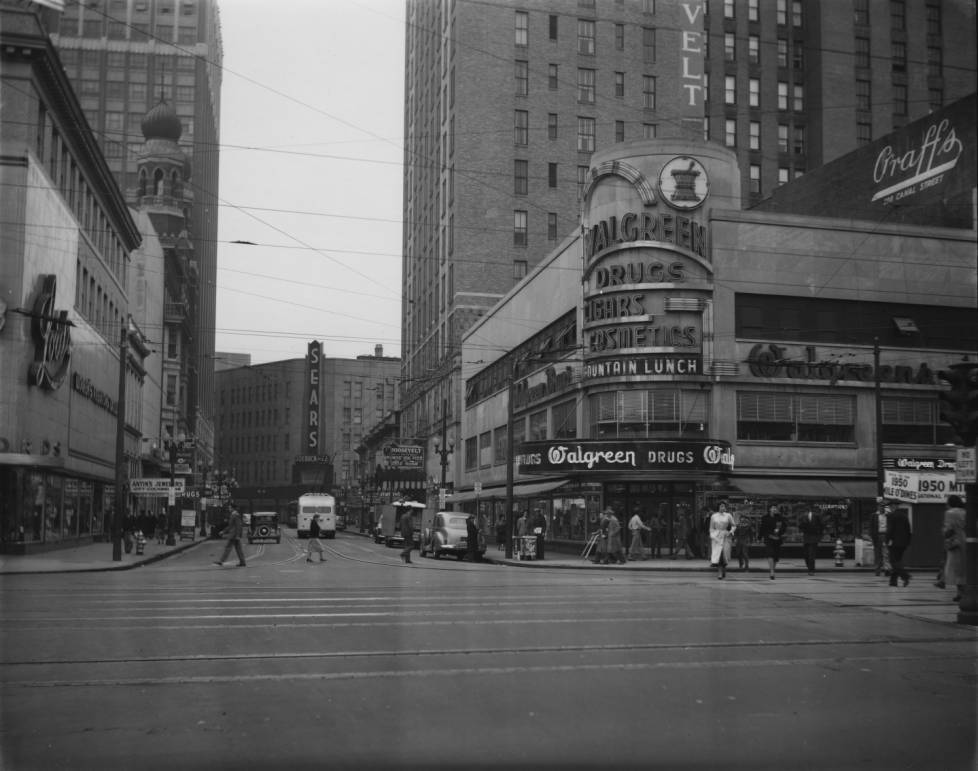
[[110, 567]]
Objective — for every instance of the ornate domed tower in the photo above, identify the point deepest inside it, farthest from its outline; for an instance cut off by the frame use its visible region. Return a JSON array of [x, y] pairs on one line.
[[163, 171]]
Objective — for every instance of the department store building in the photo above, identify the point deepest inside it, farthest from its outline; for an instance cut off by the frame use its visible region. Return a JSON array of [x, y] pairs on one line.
[[681, 350]]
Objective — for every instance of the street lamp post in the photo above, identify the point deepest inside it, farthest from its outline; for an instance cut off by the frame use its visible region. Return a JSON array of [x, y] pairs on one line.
[[443, 447], [170, 536]]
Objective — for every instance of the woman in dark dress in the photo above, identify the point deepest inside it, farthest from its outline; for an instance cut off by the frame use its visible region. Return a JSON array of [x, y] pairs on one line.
[[772, 533]]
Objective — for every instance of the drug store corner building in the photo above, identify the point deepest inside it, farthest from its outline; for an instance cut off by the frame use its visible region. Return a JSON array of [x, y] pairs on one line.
[[680, 351]]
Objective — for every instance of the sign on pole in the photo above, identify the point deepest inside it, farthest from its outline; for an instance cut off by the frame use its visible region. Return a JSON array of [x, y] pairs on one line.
[[964, 465], [155, 487]]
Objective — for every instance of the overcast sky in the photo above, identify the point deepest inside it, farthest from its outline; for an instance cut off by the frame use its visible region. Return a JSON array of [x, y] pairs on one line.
[[311, 157]]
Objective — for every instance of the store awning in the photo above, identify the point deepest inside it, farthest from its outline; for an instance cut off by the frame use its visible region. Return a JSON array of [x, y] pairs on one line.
[[519, 491], [855, 488], [788, 487]]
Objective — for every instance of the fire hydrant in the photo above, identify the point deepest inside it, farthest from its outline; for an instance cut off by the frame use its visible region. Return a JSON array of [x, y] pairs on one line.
[[140, 542], [839, 553]]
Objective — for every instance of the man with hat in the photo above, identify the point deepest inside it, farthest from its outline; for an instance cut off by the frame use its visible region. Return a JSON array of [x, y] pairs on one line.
[[314, 543], [611, 527], [877, 533]]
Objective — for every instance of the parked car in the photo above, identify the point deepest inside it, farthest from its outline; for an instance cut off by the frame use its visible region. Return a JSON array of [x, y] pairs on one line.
[[444, 532], [264, 527]]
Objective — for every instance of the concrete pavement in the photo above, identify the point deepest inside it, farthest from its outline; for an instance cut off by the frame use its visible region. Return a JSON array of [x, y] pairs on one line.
[[849, 585]]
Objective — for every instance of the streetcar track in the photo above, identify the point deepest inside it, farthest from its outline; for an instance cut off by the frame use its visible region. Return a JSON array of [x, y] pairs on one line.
[[576, 668]]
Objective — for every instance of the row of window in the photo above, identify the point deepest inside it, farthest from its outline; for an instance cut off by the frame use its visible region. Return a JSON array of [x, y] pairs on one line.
[[761, 416], [586, 83], [753, 11], [898, 15], [586, 34]]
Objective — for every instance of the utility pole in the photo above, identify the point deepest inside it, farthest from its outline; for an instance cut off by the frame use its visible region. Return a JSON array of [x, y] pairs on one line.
[[121, 477], [879, 417]]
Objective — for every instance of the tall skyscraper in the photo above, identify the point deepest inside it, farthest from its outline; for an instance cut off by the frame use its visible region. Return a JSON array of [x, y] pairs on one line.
[[123, 57], [505, 102]]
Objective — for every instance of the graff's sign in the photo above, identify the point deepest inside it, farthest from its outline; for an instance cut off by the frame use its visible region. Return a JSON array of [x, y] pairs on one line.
[[85, 387], [553, 382], [313, 357], [597, 456], [918, 166], [666, 228], [52, 338], [772, 361]]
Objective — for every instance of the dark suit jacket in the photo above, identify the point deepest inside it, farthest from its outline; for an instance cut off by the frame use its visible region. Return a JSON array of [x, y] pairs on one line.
[[811, 532], [898, 531]]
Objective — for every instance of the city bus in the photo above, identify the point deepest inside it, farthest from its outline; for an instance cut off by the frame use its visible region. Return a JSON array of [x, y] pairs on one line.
[[316, 503]]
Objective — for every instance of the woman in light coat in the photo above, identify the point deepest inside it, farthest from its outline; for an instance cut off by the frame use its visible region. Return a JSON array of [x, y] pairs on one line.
[[721, 537], [954, 529]]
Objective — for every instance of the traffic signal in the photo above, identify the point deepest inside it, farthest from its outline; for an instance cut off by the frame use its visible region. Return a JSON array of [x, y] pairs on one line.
[[959, 406]]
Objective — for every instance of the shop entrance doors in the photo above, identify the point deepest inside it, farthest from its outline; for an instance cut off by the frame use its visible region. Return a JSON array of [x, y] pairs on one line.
[[666, 507]]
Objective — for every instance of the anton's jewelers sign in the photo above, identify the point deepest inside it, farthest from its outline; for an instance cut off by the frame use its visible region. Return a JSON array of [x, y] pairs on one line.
[[601, 456]]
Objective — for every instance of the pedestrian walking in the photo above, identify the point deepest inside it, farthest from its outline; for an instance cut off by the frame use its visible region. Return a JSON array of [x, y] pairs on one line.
[[233, 533], [540, 531], [721, 535], [954, 540], [406, 526], [772, 533], [614, 550], [161, 527], [315, 545], [635, 528], [811, 526], [472, 538], [898, 537], [656, 533], [743, 535], [877, 534], [501, 534]]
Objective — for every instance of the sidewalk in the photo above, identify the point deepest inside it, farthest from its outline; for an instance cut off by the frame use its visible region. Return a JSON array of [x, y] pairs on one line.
[[89, 557]]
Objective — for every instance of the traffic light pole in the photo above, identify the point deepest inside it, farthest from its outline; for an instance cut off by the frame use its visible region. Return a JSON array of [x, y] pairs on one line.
[[968, 604]]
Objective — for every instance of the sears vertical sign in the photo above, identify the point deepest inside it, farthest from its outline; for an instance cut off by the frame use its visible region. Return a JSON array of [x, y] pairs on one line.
[[314, 357]]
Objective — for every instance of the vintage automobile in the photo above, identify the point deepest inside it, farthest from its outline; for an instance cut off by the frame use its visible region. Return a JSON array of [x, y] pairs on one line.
[[444, 532], [264, 527]]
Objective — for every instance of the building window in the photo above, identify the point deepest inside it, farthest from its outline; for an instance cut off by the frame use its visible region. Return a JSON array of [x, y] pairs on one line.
[[778, 417], [521, 120], [754, 49], [522, 28], [782, 52], [648, 92], [538, 426], [934, 61], [471, 453], [522, 78], [754, 92], [860, 9], [934, 20], [782, 12], [863, 95], [552, 226], [585, 37], [752, 10], [755, 135], [898, 15], [552, 174], [798, 103], [520, 177], [552, 125], [563, 418], [619, 84], [730, 90], [798, 56], [730, 133], [900, 100], [862, 52], [935, 98], [581, 181], [755, 179], [649, 131], [585, 86], [620, 37], [585, 135], [782, 95], [864, 132], [799, 140], [796, 15], [898, 56], [783, 175], [729, 47], [519, 228], [648, 44], [619, 131], [908, 420], [171, 390], [656, 413], [552, 76], [519, 269], [553, 26]]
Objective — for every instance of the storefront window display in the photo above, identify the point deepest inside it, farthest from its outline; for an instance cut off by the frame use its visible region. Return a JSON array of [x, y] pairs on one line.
[[838, 516], [39, 507]]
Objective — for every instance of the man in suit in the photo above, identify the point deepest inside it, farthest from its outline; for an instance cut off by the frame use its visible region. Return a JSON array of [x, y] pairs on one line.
[[811, 527], [898, 536]]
